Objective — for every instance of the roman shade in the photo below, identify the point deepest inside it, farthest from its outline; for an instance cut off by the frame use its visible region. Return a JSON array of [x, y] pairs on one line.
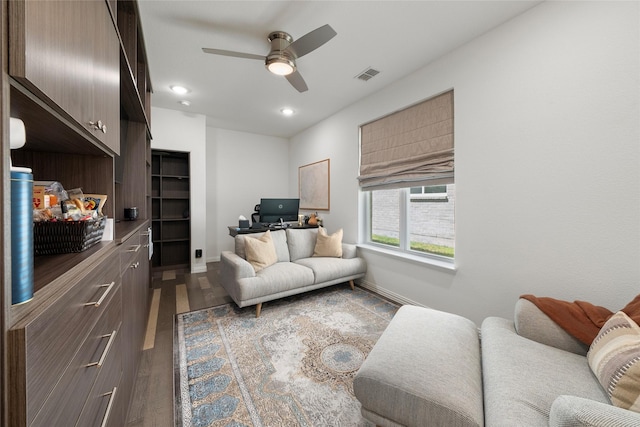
[[411, 147]]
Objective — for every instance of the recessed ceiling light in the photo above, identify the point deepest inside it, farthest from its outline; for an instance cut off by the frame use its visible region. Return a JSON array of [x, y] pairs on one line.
[[287, 111], [185, 103], [181, 90]]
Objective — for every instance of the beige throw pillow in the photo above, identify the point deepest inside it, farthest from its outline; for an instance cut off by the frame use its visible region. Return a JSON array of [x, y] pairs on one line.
[[614, 357], [261, 253], [328, 246]]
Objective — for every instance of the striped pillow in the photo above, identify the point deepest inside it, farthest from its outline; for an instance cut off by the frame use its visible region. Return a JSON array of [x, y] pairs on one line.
[[614, 357]]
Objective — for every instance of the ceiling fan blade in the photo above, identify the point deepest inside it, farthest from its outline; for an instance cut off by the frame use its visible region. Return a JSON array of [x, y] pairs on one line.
[[232, 53], [297, 81], [311, 41]]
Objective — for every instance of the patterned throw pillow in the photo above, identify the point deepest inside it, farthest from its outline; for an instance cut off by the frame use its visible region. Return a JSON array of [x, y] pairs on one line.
[[614, 357], [261, 253], [328, 246]]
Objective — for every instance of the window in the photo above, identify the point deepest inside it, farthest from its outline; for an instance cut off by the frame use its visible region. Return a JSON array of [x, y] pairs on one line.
[[407, 176], [418, 220], [433, 193]]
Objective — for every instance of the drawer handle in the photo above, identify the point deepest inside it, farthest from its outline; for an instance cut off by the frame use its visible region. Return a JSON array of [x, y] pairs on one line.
[[98, 126], [97, 303], [99, 363], [112, 394], [137, 247]]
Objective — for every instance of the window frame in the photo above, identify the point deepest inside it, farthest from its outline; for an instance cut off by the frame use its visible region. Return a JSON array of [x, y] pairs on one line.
[[403, 250]]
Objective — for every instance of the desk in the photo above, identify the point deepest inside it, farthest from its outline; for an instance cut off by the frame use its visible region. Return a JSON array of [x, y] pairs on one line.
[[234, 230]]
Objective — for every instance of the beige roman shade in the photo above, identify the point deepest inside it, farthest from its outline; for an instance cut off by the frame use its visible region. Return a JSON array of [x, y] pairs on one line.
[[410, 147]]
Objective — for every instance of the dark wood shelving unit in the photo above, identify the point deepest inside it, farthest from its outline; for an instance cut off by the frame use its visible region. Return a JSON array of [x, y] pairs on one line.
[[170, 212], [45, 384]]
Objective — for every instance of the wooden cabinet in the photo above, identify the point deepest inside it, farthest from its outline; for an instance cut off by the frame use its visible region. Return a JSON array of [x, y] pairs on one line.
[[170, 201], [67, 52], [134, 256], [54, 346], [66, 65]]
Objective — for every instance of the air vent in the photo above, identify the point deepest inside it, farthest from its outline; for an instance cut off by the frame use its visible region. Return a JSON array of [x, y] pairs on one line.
[[367, 74]]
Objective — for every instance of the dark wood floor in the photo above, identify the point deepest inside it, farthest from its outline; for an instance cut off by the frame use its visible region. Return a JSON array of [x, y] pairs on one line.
[[173, 291]]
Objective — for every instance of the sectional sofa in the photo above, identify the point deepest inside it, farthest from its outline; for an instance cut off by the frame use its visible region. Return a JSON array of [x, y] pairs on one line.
[[435, 368]]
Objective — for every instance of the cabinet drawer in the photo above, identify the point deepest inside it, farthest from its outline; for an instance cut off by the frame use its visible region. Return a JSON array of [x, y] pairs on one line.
[[99, 349], [52, 339], [129, 251], [102, 407]]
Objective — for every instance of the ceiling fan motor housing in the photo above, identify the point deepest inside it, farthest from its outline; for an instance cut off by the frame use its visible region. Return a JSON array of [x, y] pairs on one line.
[[278, 55]]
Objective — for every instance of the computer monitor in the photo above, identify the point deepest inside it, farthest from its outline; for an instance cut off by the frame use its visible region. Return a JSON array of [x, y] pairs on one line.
[[271, 210]]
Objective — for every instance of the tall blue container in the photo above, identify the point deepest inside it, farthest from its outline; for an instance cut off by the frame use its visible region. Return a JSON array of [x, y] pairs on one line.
[[21, 236]]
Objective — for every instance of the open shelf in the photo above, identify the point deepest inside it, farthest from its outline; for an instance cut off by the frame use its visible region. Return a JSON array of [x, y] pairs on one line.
[[170, 204]]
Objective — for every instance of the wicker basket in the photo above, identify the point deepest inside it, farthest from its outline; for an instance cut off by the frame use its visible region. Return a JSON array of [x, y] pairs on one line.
[[62, 237]]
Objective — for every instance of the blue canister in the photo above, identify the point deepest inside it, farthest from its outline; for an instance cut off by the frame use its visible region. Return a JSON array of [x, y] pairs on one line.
[[21, 235]]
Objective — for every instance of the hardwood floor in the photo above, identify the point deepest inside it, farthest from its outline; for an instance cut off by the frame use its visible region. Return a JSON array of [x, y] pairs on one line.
[[173, 291]]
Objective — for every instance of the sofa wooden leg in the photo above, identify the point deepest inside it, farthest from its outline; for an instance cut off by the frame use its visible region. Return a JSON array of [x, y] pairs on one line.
[[353, 286], [258, 309]]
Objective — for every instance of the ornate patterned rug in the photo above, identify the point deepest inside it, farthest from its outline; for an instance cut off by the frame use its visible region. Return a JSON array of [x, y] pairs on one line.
[[292, 366]]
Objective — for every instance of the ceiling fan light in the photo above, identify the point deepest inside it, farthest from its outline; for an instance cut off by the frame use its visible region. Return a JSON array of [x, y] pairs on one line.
[[280, 66]]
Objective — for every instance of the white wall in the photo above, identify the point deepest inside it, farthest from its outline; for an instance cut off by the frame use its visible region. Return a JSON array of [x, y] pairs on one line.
[[241, 168], [547, 163], [178, 131]]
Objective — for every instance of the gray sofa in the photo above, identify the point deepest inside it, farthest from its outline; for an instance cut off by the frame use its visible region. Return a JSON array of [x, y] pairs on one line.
[[431, 368], [296, 271]]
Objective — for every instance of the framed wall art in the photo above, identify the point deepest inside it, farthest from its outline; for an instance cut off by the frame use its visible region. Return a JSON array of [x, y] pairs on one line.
[[314, 186]]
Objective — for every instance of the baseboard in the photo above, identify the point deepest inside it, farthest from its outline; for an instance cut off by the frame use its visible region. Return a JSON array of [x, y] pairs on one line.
[[214, 259], [198, 269], [388, 294]]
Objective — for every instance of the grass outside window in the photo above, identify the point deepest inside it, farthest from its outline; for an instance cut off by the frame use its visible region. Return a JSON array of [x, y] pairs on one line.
[[415, 246]]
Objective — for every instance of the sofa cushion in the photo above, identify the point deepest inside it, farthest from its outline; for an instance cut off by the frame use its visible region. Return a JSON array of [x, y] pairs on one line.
[[328, 246], [279, 242], [572, 411], [260, 251], [424, 370], [326, 269], [532, 323], [614, 357], [522, 378], [301, 242], [278, 278]]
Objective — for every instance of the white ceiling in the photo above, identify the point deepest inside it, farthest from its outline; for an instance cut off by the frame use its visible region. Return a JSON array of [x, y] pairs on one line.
[[394, 37]]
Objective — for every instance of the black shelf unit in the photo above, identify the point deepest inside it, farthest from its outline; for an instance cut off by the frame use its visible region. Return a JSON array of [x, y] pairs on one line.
[[170, 211]]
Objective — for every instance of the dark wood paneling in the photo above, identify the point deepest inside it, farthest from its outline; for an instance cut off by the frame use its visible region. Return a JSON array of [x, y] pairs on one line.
[[133, 191], [74, 71], [135, 291], [63, 408], [65, 59], [106, 83], [5, 199], [45, 345], [97, 406], [94, 174], [48, 129]]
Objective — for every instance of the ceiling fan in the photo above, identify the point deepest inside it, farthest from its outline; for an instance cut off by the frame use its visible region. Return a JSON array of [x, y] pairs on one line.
[[281, 60]]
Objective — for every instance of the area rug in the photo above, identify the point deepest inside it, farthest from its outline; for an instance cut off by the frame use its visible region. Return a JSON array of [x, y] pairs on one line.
[[292, 366]]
